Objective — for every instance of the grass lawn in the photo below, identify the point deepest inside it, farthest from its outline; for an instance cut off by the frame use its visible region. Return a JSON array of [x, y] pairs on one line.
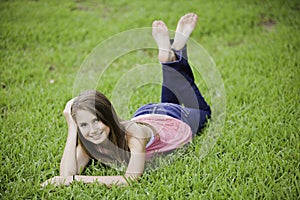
[[255, 46]]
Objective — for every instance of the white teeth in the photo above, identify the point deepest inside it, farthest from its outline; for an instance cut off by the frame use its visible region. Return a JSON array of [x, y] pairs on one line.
[[96, 136]]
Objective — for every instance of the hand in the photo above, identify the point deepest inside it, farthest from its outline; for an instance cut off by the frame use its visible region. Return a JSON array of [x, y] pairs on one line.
[[58, 180], [67, 113], [67, 110]]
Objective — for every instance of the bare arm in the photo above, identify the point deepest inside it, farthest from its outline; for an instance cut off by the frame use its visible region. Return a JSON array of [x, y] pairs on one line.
[[68, 164], [74, 158], [134, 170]]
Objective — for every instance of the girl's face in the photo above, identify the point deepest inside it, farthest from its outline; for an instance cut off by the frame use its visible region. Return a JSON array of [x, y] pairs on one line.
[[91, 128]]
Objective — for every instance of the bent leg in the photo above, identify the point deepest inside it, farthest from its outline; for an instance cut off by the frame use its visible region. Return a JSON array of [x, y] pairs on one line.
[[179, 86]]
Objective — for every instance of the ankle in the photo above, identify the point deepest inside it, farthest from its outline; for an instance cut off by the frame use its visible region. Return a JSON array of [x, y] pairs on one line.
[[179, 43], [176, 47], [166, 56]]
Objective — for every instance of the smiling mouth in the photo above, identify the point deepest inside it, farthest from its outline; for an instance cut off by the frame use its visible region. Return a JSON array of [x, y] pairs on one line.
[[96, 136]]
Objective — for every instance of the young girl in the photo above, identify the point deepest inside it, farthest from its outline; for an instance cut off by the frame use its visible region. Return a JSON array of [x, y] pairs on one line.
[[154, 129]]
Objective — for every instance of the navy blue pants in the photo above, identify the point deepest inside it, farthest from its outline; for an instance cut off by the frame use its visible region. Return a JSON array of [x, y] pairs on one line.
[[180, 96]]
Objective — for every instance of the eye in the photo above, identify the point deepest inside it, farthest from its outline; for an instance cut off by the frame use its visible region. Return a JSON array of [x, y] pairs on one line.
[[95, 121], [83, 125]]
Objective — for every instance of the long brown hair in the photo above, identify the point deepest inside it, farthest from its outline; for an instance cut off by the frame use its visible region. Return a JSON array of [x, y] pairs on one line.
[[98, 104]]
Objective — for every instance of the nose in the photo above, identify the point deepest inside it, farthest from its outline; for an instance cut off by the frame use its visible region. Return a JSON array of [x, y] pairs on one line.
[[93, 130]]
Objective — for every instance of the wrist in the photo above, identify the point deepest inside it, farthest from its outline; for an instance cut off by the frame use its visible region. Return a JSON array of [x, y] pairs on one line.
[[72, 125], [69, 119]]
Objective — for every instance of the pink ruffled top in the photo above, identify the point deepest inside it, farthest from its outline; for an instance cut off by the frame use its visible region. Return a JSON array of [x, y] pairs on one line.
[[170, 133]]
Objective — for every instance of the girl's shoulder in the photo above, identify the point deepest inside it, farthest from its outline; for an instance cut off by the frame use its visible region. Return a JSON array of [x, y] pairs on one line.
[[137, 130]]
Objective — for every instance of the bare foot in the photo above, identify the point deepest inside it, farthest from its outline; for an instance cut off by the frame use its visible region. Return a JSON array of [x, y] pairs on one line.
[[161, 36], [185, 27]]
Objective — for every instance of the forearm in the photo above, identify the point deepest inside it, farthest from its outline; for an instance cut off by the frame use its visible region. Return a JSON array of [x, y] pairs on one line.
[[107, 180], [68, 164]]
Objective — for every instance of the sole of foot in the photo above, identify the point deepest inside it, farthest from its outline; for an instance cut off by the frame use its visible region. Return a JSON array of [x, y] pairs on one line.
[[185, 27], [161, 36]]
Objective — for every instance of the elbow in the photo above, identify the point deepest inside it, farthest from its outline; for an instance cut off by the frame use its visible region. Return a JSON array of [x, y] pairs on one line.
[[67, 168], [132, 176], [66, 172]]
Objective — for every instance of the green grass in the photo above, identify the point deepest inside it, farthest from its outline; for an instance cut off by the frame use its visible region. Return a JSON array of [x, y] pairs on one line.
[[255, 45]]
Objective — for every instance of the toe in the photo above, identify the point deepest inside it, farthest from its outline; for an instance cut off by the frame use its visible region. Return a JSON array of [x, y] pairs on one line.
[[154, 23]]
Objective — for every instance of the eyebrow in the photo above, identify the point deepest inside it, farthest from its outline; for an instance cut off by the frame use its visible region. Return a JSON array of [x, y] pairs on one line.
[[93, 119]]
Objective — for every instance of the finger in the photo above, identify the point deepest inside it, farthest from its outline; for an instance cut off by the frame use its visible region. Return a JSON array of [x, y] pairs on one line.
[[44, 184]]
